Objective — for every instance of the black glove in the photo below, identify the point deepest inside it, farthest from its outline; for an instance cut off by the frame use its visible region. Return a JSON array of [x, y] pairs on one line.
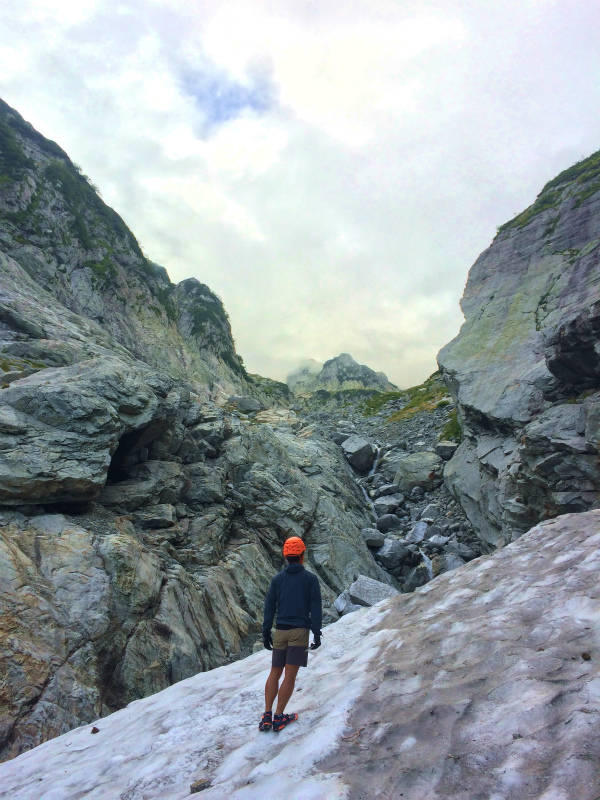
[[268, 640], [317, 641]]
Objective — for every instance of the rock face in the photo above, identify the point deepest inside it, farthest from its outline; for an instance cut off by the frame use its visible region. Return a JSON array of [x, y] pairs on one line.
[[524, 368], [146, 482]]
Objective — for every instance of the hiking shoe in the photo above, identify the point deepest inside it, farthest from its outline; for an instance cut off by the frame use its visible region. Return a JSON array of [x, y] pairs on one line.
[[281, 720], [266, 722]]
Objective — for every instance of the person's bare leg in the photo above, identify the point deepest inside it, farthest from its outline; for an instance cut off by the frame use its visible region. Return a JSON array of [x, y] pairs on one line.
[[287, 687], [272, 686]]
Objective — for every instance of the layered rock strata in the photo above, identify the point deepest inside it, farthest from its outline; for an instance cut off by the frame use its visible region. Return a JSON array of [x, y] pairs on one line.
[[524, 367]]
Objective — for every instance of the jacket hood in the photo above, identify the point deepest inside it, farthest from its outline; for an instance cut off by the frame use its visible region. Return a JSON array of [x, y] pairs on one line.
[[294, 568]]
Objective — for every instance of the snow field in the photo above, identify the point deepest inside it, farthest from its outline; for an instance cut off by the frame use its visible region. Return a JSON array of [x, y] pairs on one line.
[[207, 727]]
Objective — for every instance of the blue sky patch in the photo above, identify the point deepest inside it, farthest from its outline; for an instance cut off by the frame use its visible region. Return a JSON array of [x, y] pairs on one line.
[[222, 99]]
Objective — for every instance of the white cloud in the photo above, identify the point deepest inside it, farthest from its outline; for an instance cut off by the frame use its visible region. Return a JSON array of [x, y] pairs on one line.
[[331, 170]]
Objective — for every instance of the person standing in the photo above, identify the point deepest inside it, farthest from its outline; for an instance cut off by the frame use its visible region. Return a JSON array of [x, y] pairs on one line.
[[295, 595]]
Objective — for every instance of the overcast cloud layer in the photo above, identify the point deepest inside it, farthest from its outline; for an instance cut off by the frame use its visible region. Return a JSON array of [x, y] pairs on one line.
[[330, 169]]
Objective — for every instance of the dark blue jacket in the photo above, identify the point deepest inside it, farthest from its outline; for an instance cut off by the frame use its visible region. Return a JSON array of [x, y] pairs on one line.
[[296, 595]]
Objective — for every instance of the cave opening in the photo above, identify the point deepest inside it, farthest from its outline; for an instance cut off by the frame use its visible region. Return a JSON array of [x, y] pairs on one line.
[[130, 450]]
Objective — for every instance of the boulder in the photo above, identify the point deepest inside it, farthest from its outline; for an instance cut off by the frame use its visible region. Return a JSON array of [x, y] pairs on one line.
[[343, 605], [366, 591], [387, 504], [386, 489], [418, 576], [388, 522], [359, 452], [436, 542], [446, 563], [245, 404], [392, 554], [417, 533], [419, 469], [341, 601], [373, 537], [446, 449], [350, 608], [462, 550], [435, 530], [431, 511], [340, 438]]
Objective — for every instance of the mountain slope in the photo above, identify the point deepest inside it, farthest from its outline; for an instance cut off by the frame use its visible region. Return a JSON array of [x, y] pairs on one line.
[[485, 683], [56, 227]]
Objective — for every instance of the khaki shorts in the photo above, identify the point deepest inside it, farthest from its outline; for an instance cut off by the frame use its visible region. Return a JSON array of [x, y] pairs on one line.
[[290, 647]]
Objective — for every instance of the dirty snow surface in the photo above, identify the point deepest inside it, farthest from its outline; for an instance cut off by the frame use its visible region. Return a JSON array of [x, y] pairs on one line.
[[482, 685]]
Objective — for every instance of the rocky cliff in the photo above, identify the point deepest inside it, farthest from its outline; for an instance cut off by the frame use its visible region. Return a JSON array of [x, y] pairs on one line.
[[145, 491], [525, 367]]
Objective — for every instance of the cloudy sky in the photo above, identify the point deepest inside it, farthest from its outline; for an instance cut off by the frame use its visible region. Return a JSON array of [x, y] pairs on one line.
[[330, 168]]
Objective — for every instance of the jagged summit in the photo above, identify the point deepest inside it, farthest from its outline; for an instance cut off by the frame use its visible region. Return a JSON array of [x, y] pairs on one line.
[[341, 373]]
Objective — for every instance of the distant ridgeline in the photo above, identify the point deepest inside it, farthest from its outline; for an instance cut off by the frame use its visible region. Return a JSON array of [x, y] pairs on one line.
[[336, 382]]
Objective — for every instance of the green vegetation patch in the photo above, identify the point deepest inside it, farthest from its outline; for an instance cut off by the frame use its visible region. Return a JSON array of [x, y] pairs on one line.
[[452, 429], [12, 363], [544, 201], [374, 404], [580, 174], [164, 296], [103, 270], [12, 158], [425, 397]]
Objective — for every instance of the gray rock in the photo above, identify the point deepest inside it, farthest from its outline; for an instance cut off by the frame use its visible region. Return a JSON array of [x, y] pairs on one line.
[[350, 608], [446, 449], [340, 438], [462, 550], [341, 602], [446, 563], [150, 483], [436, 541], [435, 530], [392, 555], [417, 533], [431, 511], [423, 470], [418, 576], [366, 591], [159, 516], [386, 505], [387, 489], [359, 452], [388, 522], [372, 537], [245, 404]]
